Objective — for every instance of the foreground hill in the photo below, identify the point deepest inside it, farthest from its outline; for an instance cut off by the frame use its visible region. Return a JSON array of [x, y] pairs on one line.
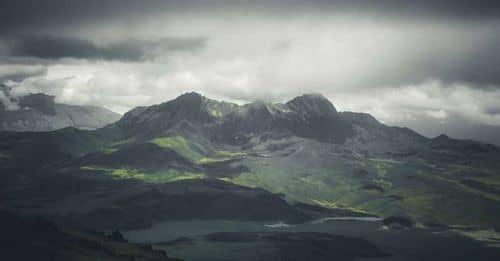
[[186, 157], [39, 112], [32, 238]]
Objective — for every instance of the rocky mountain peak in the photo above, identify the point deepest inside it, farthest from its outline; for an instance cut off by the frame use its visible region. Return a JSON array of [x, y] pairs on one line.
[[313, 104], [190, 99], [190, 96], [310, 116]]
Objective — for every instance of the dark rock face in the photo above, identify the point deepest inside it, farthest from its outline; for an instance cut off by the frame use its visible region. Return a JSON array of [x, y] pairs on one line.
[[157, 120], [117, 236], [312, 105], [398, 222], [316, 118]]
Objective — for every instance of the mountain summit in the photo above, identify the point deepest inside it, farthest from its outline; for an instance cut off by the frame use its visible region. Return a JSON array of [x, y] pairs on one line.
[[310, 116], [313, 104]]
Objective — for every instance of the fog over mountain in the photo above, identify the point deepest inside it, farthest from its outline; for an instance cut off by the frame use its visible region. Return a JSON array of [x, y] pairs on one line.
[[39, 112]]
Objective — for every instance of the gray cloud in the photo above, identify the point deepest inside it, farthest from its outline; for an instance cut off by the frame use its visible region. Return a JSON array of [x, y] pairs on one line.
[[494, 111], [51, 47], [464, 46], [19, 72], [477, 64]]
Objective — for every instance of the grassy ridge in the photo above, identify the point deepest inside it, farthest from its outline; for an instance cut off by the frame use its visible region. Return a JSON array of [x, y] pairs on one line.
[[170, 175]]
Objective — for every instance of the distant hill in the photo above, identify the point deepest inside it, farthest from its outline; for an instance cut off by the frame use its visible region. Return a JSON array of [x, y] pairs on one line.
[[39, 112]]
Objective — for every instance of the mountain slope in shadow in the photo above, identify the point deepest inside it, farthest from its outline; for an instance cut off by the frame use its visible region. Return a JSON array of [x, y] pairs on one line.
[[34, 238]]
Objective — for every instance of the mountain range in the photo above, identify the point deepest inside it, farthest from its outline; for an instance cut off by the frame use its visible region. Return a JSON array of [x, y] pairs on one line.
[[194, 157]]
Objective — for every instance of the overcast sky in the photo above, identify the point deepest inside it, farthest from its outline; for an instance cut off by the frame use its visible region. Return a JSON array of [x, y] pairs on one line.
[[423, 64]]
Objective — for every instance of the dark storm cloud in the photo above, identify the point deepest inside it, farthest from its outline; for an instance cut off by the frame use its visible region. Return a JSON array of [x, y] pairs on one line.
[[472, 62], [479, 66], [51, 47], [493, 111], [439, 8], [30, 14]]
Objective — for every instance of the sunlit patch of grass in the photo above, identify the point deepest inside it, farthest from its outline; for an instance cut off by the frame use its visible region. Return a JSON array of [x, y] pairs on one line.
[[220, 156], [206, 160], [232, 154], [334, 205], [258, 179], [127, 174], [109, 150], [381, 182], [493, 180], [386, 161], [423, 206], [174, 175], [113, 147], [122, 142], [249, 180], [195, 152], [432, 198], [226, 179], [458, 185], [315, 185], [314, 182], [296, 188], [382, 166], [325, 203], [181, 145], [216, 113], [94, 168], [155, 177]]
